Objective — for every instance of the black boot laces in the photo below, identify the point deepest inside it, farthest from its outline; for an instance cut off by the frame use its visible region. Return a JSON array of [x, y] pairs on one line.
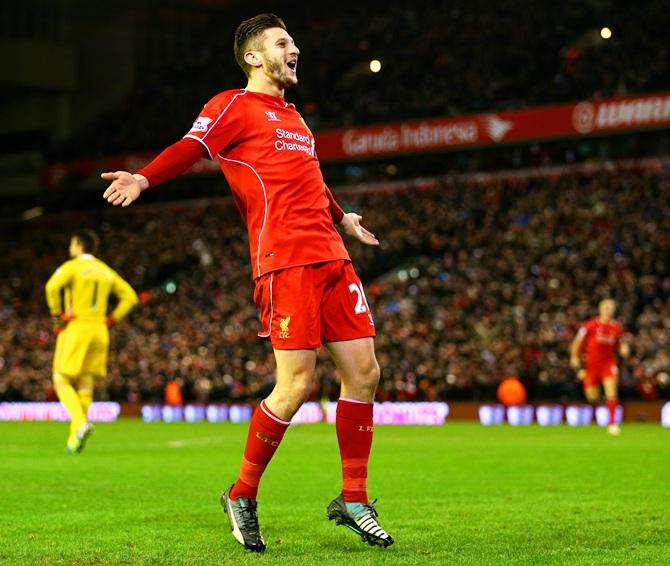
[[249, 517], [370, 510]]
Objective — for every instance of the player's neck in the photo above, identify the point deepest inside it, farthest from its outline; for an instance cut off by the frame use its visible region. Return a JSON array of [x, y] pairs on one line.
[[264, 86], [605, 319]]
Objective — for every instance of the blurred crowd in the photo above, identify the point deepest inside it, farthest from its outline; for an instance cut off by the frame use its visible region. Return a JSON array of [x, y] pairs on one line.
[[436, 59], [473, 281]]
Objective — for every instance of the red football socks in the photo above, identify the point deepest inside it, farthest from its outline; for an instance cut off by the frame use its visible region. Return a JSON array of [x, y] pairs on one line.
[[266, 431], [612, 405], [354, 436]]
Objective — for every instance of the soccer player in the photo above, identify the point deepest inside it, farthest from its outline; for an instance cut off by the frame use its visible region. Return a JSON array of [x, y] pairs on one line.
[[305, 287], [77, 295], [599, 338]]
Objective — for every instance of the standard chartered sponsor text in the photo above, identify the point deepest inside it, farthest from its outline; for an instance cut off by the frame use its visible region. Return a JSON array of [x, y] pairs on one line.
[[306, 142], [295, 136]]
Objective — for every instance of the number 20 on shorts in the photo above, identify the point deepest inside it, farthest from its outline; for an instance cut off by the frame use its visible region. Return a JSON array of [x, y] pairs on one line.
[[362, 306]]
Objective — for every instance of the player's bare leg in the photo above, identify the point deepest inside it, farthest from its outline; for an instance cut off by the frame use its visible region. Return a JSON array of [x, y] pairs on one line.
[[611, 386], [592, 394], [357, 364], [295, 370]]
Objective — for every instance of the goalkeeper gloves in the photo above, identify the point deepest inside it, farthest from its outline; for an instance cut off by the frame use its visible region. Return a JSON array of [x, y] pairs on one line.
[[60, 321]]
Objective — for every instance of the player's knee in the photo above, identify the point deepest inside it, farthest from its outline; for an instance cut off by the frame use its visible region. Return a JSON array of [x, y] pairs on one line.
[[302, 388], [298, 387], [369, 376], [60, 380], [592, 397]]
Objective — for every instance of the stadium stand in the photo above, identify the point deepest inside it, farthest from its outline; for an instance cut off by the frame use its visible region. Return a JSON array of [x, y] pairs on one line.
[[476, 279], [436, 61]]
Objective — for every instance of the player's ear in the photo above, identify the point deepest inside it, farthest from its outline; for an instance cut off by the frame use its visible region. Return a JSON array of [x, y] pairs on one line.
[[252, 58]]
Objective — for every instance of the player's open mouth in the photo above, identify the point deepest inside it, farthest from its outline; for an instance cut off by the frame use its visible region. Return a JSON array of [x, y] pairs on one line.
[[292, 64]]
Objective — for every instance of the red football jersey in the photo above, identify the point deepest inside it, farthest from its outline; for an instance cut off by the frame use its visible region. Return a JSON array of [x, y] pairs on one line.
[[600, 340], [267, 153]]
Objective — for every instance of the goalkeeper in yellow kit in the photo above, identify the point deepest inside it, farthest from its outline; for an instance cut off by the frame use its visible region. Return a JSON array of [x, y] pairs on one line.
[[77, 295]]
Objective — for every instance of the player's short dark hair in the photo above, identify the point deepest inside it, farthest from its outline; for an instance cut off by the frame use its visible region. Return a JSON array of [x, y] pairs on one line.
[[88, 239], [250, 34]]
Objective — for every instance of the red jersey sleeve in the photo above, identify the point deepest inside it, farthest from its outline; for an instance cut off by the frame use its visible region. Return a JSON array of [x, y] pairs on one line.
[[335, 209], [172, 161], [220, 123]]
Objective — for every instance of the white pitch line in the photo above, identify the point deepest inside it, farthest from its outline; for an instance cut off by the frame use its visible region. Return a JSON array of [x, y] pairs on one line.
[[205, 440]]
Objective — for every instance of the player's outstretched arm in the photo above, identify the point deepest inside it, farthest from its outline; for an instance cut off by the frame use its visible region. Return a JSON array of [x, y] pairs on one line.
[[351, 225], [172, 161], [124, 188], [575, 348]]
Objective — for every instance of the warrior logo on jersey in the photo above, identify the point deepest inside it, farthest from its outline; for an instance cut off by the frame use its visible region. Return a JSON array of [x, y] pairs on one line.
[[283, 326], [201, 124], [272, 117]]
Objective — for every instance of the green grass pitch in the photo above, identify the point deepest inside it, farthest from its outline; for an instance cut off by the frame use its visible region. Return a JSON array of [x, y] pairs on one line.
[[458, 494]]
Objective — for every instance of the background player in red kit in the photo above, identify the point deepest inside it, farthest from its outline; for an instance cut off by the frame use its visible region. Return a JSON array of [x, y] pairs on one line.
[[306, 289], [599, 338]]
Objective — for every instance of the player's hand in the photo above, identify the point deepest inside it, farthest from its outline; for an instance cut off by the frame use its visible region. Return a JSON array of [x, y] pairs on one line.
[[351, 224], [575, 363], [60, 321], [581, 374], [125, 188]]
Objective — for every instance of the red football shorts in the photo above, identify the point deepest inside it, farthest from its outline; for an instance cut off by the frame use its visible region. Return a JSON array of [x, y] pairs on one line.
[[597, 373], [302, 307]]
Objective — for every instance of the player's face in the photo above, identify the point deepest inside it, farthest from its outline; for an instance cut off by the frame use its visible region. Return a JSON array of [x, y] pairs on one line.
[[607, 309], [280, 58], [75, 247]]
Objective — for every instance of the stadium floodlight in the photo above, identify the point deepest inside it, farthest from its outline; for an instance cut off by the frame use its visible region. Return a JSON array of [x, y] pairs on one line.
[[31, 213], [606, 33], [375, 65]]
